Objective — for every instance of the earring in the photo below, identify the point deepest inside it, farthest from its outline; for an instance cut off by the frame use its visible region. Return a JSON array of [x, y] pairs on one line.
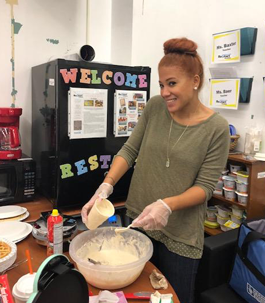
[[195, 88]]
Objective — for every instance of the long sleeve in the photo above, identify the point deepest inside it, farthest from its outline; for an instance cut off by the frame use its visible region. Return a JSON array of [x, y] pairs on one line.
[[215, 160], [130, 149]]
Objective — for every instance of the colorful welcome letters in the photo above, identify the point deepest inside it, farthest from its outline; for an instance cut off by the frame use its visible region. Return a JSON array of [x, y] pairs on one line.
[[92, 76], [81, 167]]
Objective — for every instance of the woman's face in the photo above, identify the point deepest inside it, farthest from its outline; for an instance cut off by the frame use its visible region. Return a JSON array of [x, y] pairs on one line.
[[177, 88]]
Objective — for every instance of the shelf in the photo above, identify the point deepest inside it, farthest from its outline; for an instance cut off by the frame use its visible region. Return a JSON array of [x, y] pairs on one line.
[[255, 207], [241, 158], [212, 231], [223, 199]]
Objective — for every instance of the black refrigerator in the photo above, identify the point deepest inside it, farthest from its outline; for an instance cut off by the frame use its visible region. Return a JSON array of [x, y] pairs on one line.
[[70, 168]]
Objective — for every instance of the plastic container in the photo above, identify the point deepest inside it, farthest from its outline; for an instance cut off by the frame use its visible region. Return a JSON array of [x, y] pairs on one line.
[[219, 185], [223, 211], [236, 219], [222, 220], [242, 176], [23, 289], [235, 168], [54, 233], [211, 224], [242, 198], [229, 182], [236, 211], [241, 187], [211, 212], [229, 194], [253, 140], [108, 276]]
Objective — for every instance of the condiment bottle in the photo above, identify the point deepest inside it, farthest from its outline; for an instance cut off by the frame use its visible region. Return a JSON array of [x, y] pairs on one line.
[[55, 233]]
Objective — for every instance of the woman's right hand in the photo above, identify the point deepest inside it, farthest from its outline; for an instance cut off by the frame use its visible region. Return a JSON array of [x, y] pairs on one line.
[[103, 192]]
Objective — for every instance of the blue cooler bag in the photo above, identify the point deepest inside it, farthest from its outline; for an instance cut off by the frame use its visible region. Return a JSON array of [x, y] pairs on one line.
[[248, 275]]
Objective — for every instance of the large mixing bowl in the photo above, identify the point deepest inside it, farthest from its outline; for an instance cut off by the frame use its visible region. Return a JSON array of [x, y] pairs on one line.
[[105, 239]]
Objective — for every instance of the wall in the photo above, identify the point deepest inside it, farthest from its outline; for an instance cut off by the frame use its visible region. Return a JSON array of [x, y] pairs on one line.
[[110, 30], [99, 29], [121, 42], [50, 29], [155, 21], [129, 32]]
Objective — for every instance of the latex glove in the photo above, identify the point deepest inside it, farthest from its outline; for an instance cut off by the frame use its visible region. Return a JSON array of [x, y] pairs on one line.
[[107, 296], [103, 192], [154, 216]]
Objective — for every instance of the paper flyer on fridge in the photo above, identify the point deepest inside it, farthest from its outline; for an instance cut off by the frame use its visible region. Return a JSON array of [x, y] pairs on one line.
[[87, 113], [128, 107]]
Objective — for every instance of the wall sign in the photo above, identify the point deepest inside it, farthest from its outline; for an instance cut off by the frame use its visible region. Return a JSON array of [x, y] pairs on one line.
[[226, 47], [94, 76], [83, 166], [224, 93]]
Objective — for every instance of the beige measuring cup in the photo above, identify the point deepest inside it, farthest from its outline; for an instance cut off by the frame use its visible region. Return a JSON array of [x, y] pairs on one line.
[[100, 212]]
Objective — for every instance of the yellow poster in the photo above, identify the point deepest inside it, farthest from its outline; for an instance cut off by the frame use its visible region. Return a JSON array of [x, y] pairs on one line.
[[224, 93], [226, 47]]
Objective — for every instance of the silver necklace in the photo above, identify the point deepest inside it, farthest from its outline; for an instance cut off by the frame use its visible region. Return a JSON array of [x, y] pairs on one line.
[[169, 134]]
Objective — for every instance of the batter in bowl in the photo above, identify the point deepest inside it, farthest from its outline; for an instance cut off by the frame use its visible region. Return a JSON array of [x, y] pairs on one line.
[[113, 251], [112, 257]]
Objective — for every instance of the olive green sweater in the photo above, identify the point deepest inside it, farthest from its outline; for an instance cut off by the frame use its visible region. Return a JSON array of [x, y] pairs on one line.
[[197, 159]]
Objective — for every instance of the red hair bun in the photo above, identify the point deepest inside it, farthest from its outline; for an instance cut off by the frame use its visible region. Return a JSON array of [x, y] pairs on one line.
[[180, 45]]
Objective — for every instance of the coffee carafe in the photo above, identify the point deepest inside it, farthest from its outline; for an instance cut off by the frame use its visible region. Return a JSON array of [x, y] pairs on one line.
[[9, 133]]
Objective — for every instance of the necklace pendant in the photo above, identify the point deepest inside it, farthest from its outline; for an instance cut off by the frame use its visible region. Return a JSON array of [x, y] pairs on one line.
[[167, 163]]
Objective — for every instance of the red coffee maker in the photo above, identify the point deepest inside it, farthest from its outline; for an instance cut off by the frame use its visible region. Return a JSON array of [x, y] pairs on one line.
[[9, 133]]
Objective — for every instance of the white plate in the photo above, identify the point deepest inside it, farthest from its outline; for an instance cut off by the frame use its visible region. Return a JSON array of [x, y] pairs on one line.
[[18, 240], [15, 231], [11, 211], [15, 219], [25, 215]]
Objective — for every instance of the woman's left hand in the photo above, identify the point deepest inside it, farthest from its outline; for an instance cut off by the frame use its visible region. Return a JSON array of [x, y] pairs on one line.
[[154, 216]]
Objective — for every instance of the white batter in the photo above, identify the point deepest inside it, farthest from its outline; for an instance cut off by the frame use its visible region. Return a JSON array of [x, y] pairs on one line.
[[112, 250], [112, 257]]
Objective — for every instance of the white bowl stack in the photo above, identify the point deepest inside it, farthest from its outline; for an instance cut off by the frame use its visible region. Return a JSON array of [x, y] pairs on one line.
[[13, 213], [242, 187]]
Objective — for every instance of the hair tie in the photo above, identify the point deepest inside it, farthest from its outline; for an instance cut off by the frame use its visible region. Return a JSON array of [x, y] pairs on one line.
[[182, 52], [194, 53]]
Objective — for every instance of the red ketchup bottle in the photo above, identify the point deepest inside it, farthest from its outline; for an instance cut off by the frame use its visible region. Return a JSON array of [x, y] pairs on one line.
[[55, 233]]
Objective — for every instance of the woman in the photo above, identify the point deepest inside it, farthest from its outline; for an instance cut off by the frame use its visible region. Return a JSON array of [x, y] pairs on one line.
[[181, 148]]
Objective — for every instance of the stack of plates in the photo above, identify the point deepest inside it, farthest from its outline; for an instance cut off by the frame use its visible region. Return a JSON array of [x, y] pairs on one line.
[[13, 213], [8, 254], [260, 156], [15, 231]]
